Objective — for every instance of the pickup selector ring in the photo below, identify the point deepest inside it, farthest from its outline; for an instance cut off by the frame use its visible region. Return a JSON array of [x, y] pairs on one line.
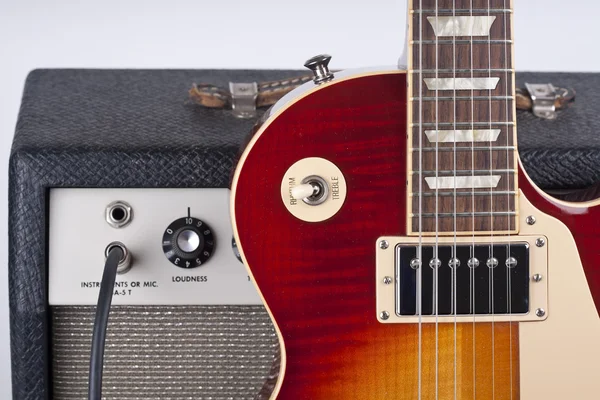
[[188, 242]]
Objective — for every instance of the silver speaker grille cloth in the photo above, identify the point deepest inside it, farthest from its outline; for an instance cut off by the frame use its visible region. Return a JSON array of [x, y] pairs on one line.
[[168, 352]]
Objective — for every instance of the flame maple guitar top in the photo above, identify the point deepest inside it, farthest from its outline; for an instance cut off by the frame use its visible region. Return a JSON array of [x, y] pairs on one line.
[[318, 279]]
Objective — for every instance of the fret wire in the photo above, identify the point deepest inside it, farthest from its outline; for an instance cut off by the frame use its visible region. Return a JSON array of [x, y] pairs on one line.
[[460, 148], [462, 10], [478, 193], [451, 124], [463, 41], [462, 70], [466, 214], [468, 172], [446, 98]]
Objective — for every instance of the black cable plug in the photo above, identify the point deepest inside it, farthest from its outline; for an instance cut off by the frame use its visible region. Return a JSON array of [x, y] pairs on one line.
[[116, 254]]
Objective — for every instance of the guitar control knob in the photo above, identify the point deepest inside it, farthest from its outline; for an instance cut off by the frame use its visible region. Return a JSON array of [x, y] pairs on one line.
[[188, 242], [319, 65]]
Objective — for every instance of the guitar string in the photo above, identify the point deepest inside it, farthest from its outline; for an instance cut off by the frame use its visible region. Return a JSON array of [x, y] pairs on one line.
[[420, 248], [454, 259], [472, 269], [508, 270], [491, 267], [491, 295], [436, 256]]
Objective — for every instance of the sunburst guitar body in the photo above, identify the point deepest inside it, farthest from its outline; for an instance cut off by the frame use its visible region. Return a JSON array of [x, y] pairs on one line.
[[398, 244]]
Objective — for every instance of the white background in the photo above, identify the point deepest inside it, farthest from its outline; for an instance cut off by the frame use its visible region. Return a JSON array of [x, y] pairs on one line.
[[551, 35]]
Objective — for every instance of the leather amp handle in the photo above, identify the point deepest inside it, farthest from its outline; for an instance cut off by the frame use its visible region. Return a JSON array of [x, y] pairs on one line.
[[269, 93]]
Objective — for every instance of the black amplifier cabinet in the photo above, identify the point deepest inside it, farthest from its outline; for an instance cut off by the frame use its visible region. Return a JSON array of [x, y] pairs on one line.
[[88, 138]]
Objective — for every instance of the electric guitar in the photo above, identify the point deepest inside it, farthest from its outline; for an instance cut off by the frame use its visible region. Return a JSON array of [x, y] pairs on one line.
[[398, 244]]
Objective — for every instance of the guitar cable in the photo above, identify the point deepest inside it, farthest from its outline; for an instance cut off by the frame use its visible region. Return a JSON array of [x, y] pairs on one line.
[[118, 259]]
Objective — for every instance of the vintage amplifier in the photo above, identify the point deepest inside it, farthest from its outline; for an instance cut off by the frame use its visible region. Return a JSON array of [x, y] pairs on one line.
[[124, 155], [103, 156]]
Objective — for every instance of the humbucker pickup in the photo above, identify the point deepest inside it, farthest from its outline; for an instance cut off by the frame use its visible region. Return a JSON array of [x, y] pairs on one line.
[[486, 279], [480, 279]]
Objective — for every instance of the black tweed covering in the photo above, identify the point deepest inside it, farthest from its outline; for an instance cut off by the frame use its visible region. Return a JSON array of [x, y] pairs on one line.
[[136, 128], [563, 153]]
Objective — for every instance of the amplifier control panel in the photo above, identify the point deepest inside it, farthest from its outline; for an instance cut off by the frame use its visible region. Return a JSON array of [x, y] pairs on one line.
[[179, 242]]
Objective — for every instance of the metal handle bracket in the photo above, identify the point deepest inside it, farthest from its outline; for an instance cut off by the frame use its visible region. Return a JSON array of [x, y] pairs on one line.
[[243, 99], [543, 97]]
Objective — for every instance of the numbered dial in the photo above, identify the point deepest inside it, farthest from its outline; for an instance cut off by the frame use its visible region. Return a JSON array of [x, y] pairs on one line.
[[188, 242]]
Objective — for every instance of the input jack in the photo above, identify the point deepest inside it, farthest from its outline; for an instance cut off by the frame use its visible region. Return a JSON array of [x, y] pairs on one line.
[[125, 262], [119, 214]]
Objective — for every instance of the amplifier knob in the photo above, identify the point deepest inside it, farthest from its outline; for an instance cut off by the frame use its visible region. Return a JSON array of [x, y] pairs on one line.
[[188, 242]]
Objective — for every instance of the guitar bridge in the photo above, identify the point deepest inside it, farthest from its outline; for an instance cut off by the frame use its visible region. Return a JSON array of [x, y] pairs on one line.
[[486, 279]]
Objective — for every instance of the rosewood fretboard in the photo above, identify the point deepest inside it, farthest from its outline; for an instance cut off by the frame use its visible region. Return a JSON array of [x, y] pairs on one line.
[[462, 137]]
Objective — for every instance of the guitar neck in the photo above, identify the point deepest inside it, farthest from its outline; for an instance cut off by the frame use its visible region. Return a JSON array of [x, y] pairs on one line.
[[462, 160]]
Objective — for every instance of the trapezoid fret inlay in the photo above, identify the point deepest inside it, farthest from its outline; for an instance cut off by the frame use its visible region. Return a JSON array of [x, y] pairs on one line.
[[461, 26], [463, 182], [463, 136], [461, 83]]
